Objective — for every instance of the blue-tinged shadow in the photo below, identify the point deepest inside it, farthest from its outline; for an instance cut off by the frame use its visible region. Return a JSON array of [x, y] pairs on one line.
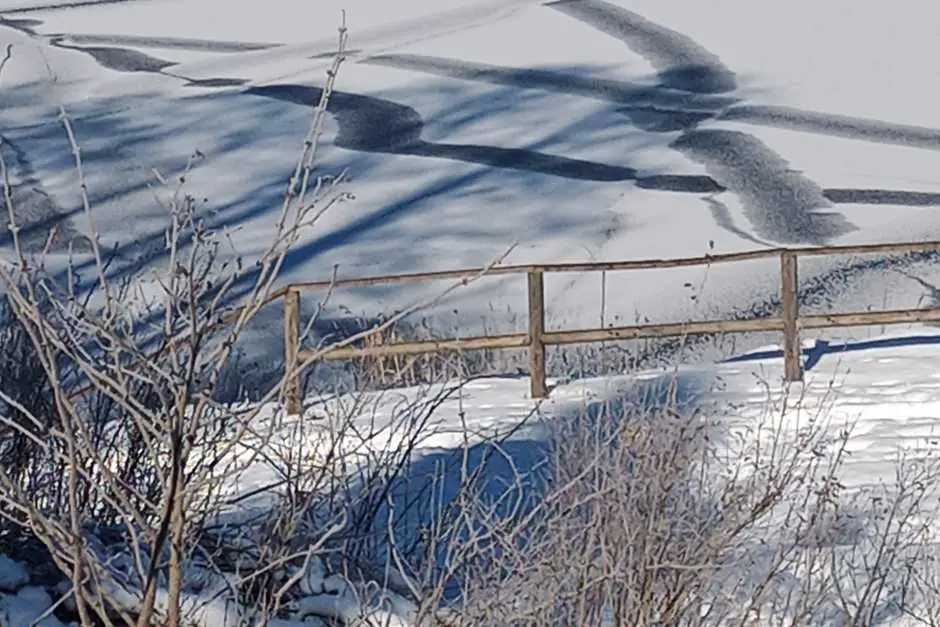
[[814, 354], [510, 475]]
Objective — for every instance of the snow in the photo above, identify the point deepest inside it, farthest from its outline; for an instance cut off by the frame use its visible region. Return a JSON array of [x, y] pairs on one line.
[[12, 574], [591, 130], [461, 65], [28, 605], [886, 388]]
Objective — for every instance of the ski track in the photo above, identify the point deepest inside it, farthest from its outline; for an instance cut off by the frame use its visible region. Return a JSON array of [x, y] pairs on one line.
[[608, 90], [377, 125], [835, 125], [119, 59], [371, 41], [723, 219], [58, 6], [782, 205], [171, 43]]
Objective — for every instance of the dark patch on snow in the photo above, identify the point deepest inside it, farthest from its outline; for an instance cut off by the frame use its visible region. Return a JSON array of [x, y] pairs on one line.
[[119, 59], [36, 213], [681, 62], [782, 205]]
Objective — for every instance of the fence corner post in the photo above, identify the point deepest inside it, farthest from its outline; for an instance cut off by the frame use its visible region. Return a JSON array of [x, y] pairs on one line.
[[539, 387], [292, 375], [792, 363]]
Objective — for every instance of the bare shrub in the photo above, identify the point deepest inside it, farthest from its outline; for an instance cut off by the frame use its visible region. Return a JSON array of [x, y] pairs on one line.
[[23, 380], [133, 457], [406, 370], [131, 443], [323, 521], [651, 512]]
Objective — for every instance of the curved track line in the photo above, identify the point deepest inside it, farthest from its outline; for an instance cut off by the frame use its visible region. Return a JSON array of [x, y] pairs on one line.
[[119, 59], [781, 205], [557, 81], [58, 6], [681, 62], [371, 124], [167, 43], [835, 125], [655, 106]]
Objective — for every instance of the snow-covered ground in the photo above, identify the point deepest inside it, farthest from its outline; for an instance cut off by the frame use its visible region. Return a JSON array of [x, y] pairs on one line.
[[886, 390], [887, 385], [588, 129], [580, 129]]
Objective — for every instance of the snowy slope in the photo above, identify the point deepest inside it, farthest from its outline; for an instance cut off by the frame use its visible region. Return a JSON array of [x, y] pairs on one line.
[[583, 130]]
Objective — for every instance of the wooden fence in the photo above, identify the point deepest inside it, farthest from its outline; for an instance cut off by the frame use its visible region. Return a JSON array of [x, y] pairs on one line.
[[537, 338]]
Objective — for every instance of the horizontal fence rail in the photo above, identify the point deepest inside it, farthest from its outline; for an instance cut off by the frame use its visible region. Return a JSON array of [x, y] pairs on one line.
[[466, 274], [537, 338]]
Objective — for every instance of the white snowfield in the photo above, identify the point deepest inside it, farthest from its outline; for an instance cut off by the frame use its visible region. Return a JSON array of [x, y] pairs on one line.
[[588, 129], [576, 129], [885, 390]]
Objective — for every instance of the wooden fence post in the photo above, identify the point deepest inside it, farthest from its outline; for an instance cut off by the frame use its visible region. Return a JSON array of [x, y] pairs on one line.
[[292, 383], [539, 387], [792, 366]]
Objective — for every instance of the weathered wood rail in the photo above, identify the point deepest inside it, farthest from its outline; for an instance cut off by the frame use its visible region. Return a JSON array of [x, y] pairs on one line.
[[537, 338]]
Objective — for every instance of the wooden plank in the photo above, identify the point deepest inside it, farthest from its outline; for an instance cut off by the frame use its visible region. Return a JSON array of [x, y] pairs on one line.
[[466, 274], [625, 332], [537, 375], [854, 319], [292, 380], [789, 290], [862, 319], [662, 330], [659, 264], [520, 340], [866, 249], [425, 347]]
